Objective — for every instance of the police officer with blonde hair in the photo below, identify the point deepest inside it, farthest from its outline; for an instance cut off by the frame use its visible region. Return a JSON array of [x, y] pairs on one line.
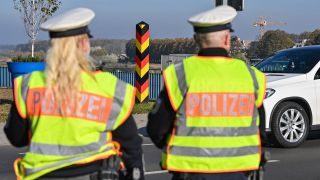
[[206, 119], [75, 121]]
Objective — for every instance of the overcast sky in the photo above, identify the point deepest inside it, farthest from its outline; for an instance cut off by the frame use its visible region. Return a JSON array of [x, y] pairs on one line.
[[116, 19]]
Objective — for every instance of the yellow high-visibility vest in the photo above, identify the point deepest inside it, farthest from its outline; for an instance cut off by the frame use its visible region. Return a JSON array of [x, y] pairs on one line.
[[83, 135], [216, 126]]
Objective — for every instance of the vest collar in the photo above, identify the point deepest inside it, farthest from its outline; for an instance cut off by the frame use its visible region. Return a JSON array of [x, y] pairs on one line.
[[213, 52]]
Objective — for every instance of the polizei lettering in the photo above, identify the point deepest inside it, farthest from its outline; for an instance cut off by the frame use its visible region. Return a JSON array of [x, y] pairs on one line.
[[220, 104], [89, 106]]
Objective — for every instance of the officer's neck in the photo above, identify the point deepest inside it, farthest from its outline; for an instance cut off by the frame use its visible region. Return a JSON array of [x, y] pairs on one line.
[[213, 52]]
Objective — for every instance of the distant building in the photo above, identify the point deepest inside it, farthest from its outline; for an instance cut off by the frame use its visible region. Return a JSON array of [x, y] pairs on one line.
[[246, 43], [166, 60], [95, 48], [301, 43], [123, 57]]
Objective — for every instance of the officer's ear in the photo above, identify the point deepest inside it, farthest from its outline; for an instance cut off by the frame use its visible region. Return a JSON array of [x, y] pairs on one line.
[[84, 45]]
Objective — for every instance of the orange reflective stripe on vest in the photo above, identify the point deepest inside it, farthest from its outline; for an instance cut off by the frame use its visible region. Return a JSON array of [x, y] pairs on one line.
[[89, 106], [220, 104]]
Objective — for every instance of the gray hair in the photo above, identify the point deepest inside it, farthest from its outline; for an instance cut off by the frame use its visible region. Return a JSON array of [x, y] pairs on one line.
[[212, 39]]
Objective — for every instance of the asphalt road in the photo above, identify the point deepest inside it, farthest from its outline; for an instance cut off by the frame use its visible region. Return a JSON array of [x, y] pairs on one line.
[[286, 164]]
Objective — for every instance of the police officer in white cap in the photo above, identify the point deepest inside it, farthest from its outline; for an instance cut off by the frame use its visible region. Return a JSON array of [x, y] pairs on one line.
[[75, 121], [206, 118]]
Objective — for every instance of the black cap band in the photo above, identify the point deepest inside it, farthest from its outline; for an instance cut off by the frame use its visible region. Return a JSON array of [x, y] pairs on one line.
[[71, 32], [213, 28]]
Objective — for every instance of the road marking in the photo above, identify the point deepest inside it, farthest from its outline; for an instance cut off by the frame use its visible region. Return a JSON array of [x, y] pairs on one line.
[[273, 161], [22, 153], [147, 144], [155, 172]]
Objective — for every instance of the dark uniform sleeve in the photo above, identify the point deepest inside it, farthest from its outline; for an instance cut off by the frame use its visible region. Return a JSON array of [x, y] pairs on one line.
[[161, 120], [130, 142], [16, 128]]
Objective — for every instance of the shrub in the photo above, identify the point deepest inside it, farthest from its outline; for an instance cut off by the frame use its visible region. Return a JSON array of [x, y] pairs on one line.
[[141, 108], [36, 58]]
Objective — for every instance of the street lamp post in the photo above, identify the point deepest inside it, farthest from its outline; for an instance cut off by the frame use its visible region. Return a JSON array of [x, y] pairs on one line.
[[237, 4]]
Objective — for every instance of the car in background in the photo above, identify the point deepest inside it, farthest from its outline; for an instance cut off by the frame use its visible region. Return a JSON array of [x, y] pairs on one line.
[[292, 99]]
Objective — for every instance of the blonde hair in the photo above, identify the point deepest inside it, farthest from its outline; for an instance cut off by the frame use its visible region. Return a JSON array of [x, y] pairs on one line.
[[65, 61]]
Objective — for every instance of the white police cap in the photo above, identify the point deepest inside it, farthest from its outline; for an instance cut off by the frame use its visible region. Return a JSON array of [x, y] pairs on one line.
[[217, 19], [70, 23]]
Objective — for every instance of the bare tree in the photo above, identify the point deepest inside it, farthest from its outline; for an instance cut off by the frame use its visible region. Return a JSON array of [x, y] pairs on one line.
[[33, 13]]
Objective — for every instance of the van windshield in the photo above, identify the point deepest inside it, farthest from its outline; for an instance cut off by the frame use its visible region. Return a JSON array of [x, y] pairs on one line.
[[300, 61]]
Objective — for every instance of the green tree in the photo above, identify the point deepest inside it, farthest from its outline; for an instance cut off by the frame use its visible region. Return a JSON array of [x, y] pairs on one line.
[[294, 37], [316, 40], [305, 35], [237, 50], [34, 13], [99, 52], [314, 37], [131, 48], [160, 47], [273, 41], [251, 52]]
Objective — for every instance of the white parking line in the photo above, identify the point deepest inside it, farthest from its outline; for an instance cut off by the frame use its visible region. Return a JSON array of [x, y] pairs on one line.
[[273, 161], [155, 172], [22, 153], [147, 144]]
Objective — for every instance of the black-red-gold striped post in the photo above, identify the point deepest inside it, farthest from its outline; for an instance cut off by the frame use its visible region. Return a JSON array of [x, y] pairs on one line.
[[142, 61]]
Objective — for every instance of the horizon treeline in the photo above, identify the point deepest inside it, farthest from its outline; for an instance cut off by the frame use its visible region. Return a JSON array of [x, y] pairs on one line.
[[271, 42]]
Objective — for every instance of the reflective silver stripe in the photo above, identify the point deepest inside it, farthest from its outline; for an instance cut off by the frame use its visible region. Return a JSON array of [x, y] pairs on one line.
[[256, 89], [182, 126], [60, 150], [181, 76], [103, 138], [24, 87], [117, 103], [254, 117], [213, 152], [218, 132], [34, 170], [255, 81], [181, 114]]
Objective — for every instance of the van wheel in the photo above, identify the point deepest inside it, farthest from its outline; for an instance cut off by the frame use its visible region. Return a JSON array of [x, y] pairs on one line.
[[289, 125]]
